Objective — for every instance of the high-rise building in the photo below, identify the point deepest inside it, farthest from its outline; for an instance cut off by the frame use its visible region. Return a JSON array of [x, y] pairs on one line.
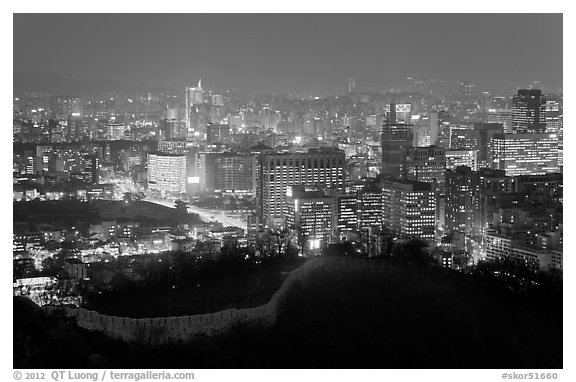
[[174, 129], [236, 173], [313, 214], [484, 133], [347, 212], [463, 137], [91, 169], [426, 164], [61, 107], [409, 208], [175, 147], [370, 206], [504, 117], [396, 138], [318, 167], [529, 107], [166, 174], [194, 96], [456, 158], [524, 154], [463, 198], [217, 133], [554, 125], [115, 131]]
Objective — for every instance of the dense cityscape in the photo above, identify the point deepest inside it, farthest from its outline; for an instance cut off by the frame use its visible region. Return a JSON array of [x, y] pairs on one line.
[[129, 203]]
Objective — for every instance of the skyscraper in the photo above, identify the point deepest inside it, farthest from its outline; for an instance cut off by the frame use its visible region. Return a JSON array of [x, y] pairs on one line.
[[194, 96], [396, 138], [462, 207], [318, 167], [529, 108], [409, 208], [426, 164], [314, 215], [524, 154], [167, 174], [370, 206], [216, 132]]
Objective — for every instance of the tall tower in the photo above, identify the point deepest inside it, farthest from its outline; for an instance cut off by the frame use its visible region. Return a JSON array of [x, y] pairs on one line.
[[396, 138], [529, 111], [194, 96]]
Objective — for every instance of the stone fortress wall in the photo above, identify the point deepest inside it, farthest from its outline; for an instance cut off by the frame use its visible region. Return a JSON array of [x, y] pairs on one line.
[[164, 330]]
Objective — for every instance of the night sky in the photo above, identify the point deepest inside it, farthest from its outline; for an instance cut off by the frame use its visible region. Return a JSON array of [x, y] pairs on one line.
[[292, 52]]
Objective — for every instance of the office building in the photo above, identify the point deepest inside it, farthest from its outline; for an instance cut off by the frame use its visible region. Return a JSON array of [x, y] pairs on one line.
[[217, 133], [426, 164], [504, 117], [166, 174], [396, 138], [115, 131], [529, 111], [348, 212], [194, 96], [409, 208], [173, 129], [456, 158], [236, 173], [318, 167], [314, 215], [524, 154], [370, 206], [462, 203]]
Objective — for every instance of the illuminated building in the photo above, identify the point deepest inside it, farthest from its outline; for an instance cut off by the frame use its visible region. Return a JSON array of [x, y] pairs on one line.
[[348, 212], [409, 208], [554, 125], [91, 169], [217, 133], [62, 107], [524, 154], [318, 167], [236, 173], [370, 206], [503, 246], [174, 129], [167, 174], [484, 133], [463, 198], [172, 147], [456, 158], [194, 96], [502, 116], [116, 131], [529, 107], [313, 214], [426, 164], [463, 137], [396, 138]]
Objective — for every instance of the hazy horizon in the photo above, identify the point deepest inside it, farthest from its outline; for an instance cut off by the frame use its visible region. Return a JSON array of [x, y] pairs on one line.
[[292, 52]]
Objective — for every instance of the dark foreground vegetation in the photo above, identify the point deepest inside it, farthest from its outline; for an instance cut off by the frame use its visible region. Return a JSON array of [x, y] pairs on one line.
[[181, 285], [378, 313]]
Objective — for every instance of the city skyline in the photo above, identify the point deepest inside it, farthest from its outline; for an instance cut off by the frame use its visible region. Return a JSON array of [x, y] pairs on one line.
[[313, 53], [379, 191]]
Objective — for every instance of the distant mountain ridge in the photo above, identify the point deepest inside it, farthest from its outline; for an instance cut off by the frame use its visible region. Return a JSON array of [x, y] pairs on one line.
[[55, 84]]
